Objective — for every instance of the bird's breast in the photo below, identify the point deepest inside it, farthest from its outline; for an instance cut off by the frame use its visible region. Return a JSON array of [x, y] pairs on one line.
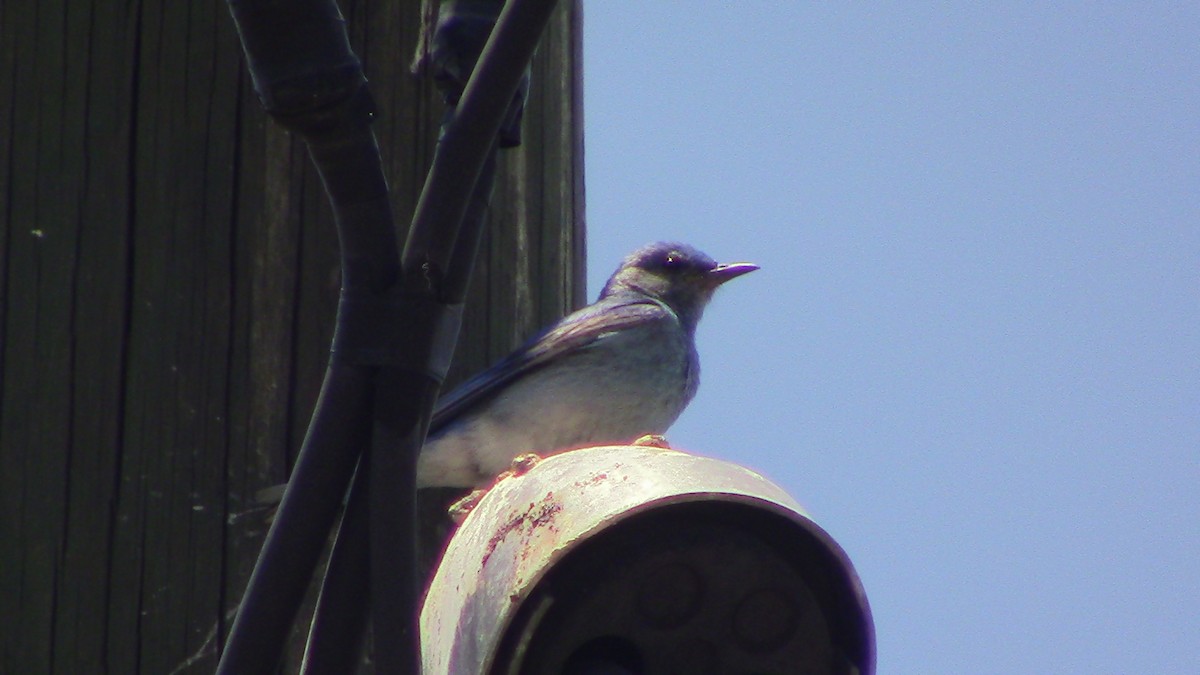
[[631, 383]]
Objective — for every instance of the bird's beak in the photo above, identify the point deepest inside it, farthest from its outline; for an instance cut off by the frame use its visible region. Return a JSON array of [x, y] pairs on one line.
[[722, 273]]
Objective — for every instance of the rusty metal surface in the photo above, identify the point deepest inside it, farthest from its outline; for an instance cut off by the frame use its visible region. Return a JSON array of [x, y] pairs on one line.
[[527, 523]]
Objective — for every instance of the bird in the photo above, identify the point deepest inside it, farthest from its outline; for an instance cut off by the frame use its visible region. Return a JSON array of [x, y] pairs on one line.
[[621, 368]]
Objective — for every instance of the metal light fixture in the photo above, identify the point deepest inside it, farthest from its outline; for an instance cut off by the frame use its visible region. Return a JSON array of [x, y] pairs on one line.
[[641, 559]]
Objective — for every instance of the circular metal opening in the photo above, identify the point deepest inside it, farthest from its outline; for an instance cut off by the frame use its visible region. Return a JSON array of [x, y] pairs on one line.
[[695, 587]]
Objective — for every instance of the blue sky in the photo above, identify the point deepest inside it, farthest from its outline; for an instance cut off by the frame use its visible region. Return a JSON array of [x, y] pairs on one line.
[[973, 351]]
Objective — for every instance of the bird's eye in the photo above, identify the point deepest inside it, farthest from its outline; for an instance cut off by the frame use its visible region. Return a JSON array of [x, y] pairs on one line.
[[673, 258]]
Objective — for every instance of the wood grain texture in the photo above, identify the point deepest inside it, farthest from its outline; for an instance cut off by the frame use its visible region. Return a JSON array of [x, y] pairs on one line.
[[168, 277]]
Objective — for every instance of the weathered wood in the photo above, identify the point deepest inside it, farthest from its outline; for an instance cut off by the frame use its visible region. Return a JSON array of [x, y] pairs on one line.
[[167, 285]]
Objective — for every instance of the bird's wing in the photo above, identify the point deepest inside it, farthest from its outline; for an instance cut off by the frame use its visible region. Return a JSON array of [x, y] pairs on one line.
[[577, 331]]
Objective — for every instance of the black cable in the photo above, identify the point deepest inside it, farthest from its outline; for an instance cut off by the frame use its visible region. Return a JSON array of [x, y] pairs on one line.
[[485, 104], [393, 345], [336, 634], [307, 77]]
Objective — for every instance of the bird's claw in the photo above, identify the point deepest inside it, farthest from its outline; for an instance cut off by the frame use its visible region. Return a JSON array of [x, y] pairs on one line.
[[459, 510], [653, 441], [521, 464]]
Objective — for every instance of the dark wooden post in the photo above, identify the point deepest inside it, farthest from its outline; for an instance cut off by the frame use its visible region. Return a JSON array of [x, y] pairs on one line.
[[167, 287]]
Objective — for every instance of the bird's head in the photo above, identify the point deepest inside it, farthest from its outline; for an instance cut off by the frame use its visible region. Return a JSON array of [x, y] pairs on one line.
[[677, 274]]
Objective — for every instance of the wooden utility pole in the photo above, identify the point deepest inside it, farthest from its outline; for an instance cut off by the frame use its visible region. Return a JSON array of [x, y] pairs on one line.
[[168, 279]]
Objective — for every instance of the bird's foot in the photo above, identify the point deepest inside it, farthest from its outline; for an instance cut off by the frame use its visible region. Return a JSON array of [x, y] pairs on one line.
[[521, 464], [653, 441], [459, 510]]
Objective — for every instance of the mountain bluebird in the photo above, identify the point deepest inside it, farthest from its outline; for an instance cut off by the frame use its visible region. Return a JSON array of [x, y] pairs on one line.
[[609, 373]]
